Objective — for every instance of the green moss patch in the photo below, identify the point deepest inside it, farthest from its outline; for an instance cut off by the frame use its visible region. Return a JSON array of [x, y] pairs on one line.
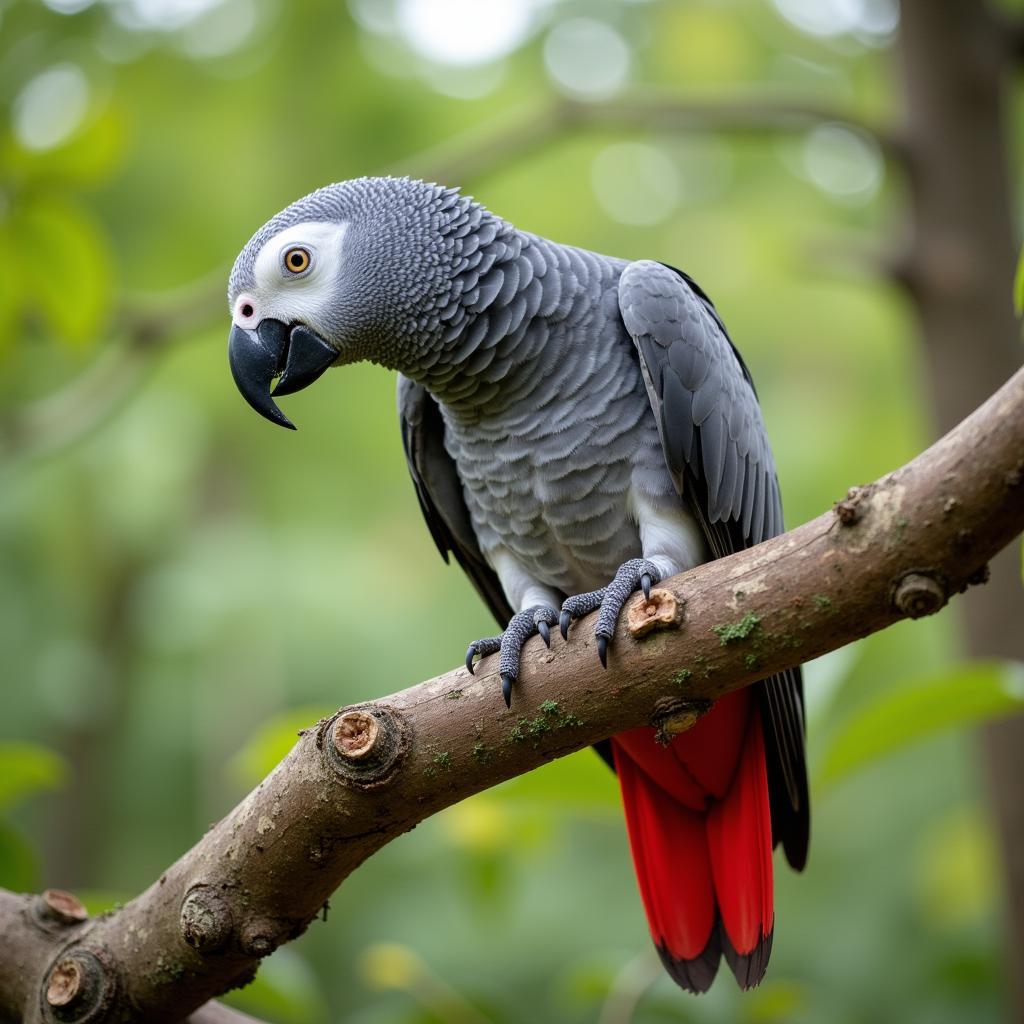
[[735, 632]]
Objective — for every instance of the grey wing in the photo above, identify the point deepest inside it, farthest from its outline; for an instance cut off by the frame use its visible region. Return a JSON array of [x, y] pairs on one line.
[[439, 491], [717, 451]]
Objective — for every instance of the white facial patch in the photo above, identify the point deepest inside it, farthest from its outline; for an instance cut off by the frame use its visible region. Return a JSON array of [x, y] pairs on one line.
[[283, 295]]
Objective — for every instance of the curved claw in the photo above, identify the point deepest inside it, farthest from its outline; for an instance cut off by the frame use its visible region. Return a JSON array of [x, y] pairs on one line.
[[602, 650], [545, 633], [469, 659], [645, 583], [506, 689], [563, 624]]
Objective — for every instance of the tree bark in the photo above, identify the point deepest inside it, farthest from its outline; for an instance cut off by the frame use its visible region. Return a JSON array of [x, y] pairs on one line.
[[956, 65], [900, 547]]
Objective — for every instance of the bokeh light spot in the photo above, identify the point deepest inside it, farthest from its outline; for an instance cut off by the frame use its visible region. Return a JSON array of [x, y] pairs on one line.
[[587, 58], [68, 6], [51, 107], [464, 31], [842, 163], [220, 30], [838, 17], [635, 183], [161, 15]]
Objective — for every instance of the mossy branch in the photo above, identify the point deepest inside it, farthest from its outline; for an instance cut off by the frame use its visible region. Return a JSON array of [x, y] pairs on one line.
[[898, 548]]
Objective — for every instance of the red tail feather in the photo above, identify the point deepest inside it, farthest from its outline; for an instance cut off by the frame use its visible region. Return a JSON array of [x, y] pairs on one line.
[[700, 830]]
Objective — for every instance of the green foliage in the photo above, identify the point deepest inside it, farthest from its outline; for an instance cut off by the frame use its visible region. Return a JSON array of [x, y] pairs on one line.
[[271, 741], [1018, 286], [27, 770], [285, 990], [965, 694], [958, 879], [64, 266], [19, 866], [184, 588]]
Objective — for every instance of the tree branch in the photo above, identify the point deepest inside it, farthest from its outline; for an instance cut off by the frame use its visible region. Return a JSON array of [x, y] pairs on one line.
[[899, 547], [481, 151]]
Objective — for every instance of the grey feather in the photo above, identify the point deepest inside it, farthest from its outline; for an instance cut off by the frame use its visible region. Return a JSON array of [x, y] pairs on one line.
[[439, 492]]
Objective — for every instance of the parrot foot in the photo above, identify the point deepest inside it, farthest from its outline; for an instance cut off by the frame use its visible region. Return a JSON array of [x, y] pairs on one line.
[[636, 574], [531, 621]]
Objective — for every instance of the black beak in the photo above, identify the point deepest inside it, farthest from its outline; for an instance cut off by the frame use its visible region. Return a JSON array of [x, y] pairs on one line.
[[296, 355]]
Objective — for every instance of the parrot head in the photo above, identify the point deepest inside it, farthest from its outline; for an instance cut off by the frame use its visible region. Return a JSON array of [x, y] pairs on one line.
[[346, 273], [280, 313]]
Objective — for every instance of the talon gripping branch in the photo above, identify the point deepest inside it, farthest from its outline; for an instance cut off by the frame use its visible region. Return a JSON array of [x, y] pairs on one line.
[[576, 427]]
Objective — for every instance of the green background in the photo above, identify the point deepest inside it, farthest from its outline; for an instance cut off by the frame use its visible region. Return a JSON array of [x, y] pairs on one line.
[[182, 586]]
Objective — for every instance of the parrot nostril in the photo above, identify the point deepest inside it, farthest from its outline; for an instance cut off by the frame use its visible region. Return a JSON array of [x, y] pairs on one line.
[[246, 310]]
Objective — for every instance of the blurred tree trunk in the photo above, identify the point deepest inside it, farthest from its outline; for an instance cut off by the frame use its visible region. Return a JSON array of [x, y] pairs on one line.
[[74, 848], [957, 63]]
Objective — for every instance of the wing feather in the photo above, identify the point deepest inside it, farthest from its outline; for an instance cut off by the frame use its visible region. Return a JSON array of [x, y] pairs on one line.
[[717, 451], [439, 492]]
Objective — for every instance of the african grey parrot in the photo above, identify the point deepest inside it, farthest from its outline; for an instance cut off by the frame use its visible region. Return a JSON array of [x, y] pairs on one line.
[[577, 427]]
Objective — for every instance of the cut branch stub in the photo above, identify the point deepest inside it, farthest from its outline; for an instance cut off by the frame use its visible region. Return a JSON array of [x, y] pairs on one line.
[[79, 988], [65, 983], [662, 610], [918, 594], [64, 908], [366, 744], [355, 735]]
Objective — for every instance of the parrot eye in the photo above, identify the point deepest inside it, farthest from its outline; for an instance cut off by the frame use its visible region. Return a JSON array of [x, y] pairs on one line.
[[297, 260]]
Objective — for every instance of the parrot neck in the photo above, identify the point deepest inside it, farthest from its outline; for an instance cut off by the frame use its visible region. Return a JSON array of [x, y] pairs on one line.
[[482, 339]]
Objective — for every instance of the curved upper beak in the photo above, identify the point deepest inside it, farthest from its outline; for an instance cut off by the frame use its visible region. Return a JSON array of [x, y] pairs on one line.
[[297, 355]]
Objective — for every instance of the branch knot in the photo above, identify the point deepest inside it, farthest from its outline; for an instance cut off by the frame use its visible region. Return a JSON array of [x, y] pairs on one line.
[[848, 511], [918, 594], [674, 715], [205, 920]]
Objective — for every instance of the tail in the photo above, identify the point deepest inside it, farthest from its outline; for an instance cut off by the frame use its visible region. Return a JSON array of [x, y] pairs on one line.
[[700, 830]]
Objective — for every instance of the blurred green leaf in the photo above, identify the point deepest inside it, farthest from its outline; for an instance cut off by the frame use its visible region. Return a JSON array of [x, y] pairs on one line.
[[100, 901], [88, 157], [271, 741], [285, 990], [963, 695], [18, 867], [775, 1001], [581, 781], [27, 769], [12, 290], [957, 881], [1018, 286], [66, 267]]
